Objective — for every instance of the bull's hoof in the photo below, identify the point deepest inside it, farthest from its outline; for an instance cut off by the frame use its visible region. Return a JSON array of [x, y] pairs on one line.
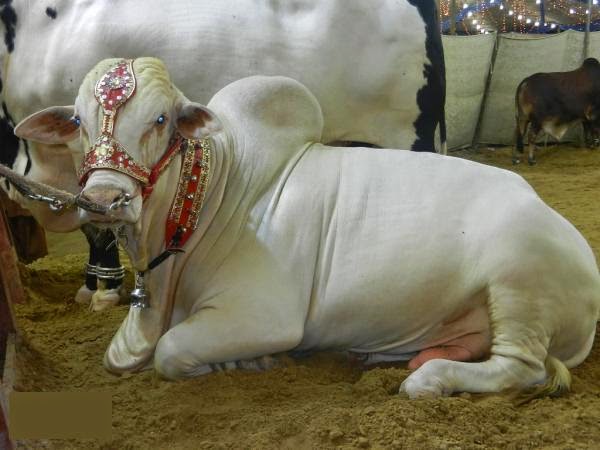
[[104, 299], [84, 295], [516, 161], [417, 387], [532, 162]]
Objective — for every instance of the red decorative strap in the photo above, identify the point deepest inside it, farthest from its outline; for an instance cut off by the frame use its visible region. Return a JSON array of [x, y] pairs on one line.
[[191, 189], [177, 144]]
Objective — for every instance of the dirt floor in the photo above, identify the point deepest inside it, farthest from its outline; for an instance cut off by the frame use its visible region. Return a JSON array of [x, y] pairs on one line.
[[319, 402]]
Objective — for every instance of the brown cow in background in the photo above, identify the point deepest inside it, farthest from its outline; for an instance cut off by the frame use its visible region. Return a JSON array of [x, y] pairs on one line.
[[553, 102]]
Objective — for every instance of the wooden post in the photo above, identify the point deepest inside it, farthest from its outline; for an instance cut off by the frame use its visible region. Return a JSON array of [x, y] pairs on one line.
[[11, 279], [488, 81], [453, 17], [5, 442], [6, 385], [10, 291], [586, 36]]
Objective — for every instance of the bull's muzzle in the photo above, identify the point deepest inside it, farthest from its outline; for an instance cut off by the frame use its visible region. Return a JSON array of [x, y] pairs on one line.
[[121, 201]]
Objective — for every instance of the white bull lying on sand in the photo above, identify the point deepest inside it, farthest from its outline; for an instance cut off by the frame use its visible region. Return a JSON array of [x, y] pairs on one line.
[[397, 255]]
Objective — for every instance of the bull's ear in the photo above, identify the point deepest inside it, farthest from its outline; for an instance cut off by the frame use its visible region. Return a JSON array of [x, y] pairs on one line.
[[54, 125], [195, 121]]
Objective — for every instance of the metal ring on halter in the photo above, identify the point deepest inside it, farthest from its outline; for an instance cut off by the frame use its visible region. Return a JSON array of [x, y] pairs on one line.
[[122, 200], [54, 204], [110, 273]]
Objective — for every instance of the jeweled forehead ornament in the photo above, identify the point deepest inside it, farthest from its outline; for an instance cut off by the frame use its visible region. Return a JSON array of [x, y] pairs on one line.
[[112, 91]]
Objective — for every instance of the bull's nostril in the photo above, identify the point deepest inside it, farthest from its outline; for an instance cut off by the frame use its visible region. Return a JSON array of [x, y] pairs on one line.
[[120, 200]]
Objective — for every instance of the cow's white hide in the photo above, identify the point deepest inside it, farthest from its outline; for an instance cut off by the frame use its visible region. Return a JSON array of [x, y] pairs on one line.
[[365, 62], [303, 246]]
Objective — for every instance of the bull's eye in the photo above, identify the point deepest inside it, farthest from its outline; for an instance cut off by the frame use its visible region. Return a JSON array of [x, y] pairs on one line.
[[76, 120], [161, 119]]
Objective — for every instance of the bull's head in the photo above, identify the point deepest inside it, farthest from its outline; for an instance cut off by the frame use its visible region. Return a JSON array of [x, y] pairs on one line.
[[126, 114]]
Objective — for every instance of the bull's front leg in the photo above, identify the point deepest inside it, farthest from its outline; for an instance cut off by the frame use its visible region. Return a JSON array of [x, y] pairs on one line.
[[236, 335], [253, 311], [104, 273]]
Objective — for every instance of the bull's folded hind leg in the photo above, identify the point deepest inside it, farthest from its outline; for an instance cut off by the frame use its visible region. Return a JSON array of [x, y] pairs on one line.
[[443, 377], [518, 354]]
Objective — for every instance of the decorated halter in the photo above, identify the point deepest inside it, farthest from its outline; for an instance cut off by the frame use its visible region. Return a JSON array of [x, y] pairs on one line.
[[112, 91]]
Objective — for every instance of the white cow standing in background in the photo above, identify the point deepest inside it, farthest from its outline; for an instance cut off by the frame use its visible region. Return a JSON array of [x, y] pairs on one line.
[[301, 246], [376, 67]]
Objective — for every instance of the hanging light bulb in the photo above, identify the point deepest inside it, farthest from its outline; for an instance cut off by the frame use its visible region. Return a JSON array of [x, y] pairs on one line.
[[528, 21], [595, 2], [571, 11], [501, 6], [478, 27], [470, 13], [587, 11], [465, 6], [553, 26], [536, 24], [492, 2], [537, 2], [510, 12], [520, 17], [474, 21]]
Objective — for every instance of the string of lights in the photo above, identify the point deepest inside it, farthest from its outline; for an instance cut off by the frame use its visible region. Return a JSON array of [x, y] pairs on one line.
[[522, 16]]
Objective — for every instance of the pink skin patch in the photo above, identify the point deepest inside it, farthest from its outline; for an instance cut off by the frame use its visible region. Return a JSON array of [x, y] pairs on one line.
[[472, 347]]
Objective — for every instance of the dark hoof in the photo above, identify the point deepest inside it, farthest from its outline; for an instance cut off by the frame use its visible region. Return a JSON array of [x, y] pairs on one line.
[[532, 162]]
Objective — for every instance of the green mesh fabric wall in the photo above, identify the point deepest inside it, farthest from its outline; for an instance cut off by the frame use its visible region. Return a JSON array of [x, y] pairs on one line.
[[467, 64]]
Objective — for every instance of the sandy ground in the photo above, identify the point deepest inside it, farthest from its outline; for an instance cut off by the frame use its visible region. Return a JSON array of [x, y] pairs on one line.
[[319, 402]]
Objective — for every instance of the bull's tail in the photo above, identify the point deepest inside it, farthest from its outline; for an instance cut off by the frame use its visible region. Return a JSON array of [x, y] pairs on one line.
[[557, 383], [519, 131], [520, 125]]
